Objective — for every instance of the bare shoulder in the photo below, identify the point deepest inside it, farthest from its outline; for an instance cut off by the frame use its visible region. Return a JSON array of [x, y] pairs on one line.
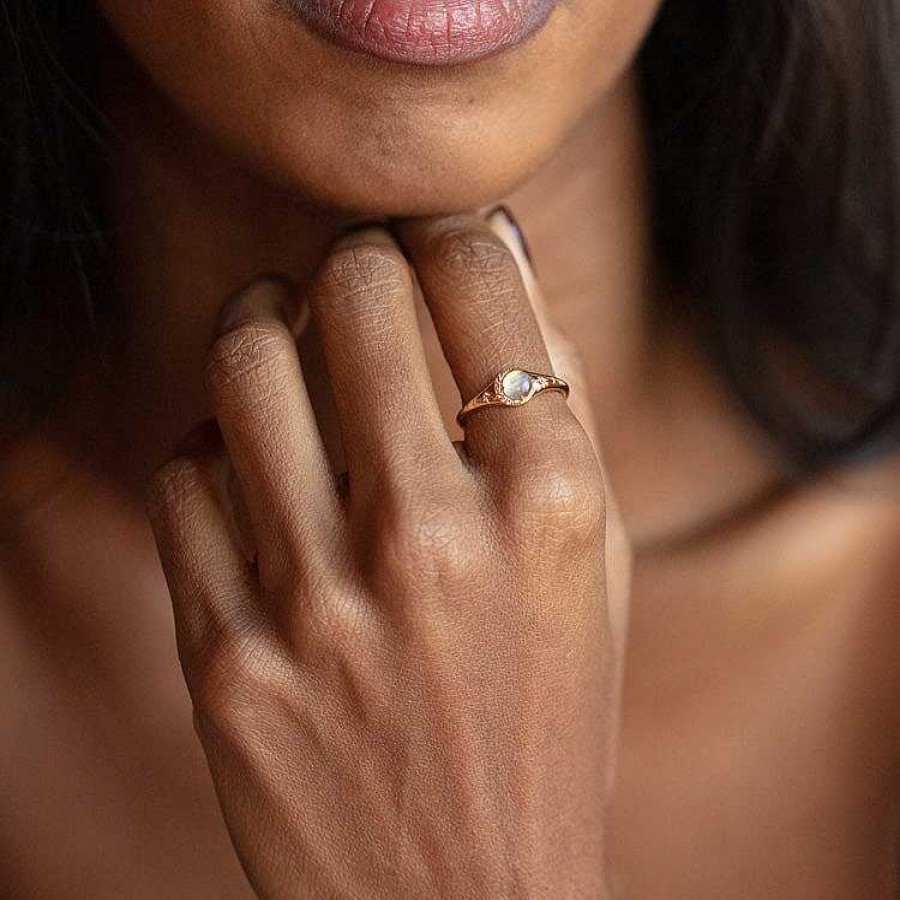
[[852, 555], [874, 561], [762, 692], [864, 503]]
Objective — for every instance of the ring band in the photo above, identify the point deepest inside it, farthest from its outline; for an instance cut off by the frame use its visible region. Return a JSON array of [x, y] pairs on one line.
[[512, 387]]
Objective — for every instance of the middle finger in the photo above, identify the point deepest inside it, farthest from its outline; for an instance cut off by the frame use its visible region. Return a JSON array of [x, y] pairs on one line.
[[363, 302]]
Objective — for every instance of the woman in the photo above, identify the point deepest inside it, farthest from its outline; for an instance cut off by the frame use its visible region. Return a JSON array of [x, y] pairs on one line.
[[405, 641]]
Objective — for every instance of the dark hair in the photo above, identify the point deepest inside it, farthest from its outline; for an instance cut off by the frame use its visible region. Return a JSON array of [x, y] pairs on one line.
[[774, 130], [774, 138], [54, 261]]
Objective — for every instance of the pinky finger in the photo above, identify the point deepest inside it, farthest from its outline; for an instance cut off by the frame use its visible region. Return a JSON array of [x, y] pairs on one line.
[[211, 582]]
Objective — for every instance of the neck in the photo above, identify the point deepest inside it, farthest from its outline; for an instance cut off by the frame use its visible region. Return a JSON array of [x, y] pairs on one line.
[[192, 224]]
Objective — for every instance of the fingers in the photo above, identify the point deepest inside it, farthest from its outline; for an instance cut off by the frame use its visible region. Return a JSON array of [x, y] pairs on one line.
[[363, 303], [208, 576], [567, 363], [484, 318], [395, 442], [254, 379], [564, 355]]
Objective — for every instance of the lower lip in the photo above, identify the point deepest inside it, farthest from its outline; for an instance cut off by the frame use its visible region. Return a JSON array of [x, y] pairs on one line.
[[426, 32]]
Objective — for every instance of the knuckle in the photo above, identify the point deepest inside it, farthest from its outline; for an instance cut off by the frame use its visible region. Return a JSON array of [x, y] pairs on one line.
[[568, 497], [334, 623], [229, 668], [246, 355], [371, 270], [465, 256], [432, 540], [173, 484]]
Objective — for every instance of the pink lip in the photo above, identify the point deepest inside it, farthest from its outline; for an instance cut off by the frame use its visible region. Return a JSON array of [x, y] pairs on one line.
[[426, 32]]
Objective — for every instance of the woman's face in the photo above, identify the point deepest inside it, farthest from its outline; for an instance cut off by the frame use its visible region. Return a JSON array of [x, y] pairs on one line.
[[385, 107]]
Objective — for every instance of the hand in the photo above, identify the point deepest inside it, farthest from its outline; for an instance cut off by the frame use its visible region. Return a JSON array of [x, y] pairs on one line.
[[411, 693]]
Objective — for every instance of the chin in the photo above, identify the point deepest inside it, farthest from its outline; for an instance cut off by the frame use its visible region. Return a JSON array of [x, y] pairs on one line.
[[425, 174], [389, 114]]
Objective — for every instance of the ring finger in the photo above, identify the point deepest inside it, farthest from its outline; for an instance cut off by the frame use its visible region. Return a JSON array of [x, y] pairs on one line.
[[486, 323]]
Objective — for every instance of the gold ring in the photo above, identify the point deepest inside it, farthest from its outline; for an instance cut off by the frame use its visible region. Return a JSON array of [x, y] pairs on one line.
[[512, 387]]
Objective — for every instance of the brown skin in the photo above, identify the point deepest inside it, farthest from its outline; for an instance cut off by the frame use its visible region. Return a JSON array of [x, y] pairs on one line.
[[410, 693], [346, 131], [758, 748]]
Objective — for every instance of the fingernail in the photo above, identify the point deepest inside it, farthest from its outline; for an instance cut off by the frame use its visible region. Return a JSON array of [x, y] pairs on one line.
[[504, 211], [266, 293], [376, 231], [301, 317]]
